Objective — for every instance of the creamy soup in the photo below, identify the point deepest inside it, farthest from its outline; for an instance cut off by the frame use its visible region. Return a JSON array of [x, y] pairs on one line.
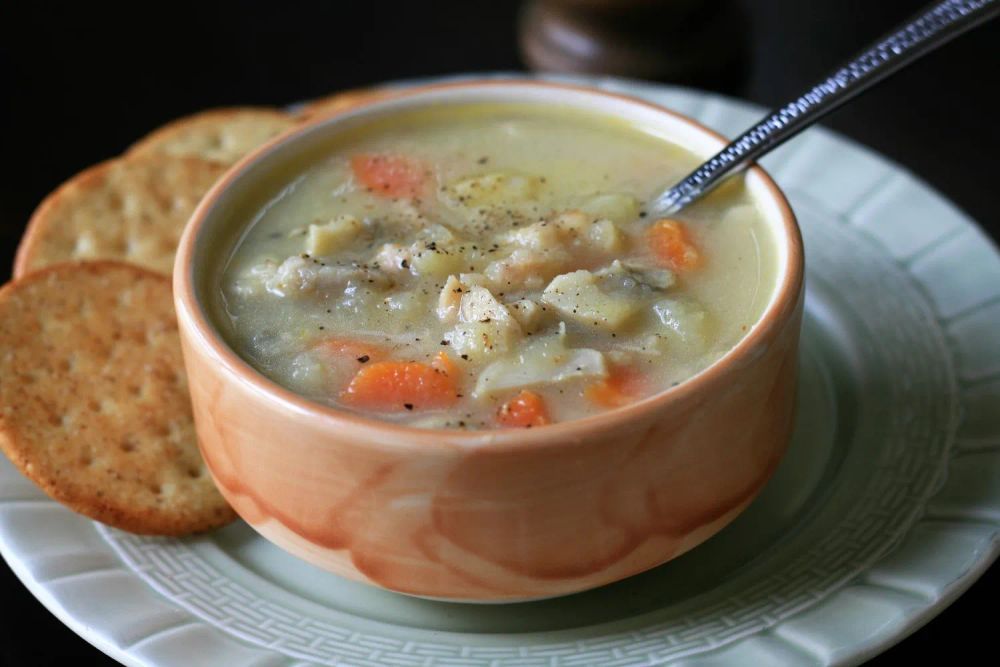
[[490, 266]]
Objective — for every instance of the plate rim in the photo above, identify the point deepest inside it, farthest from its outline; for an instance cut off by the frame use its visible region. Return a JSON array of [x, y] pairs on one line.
[[908, 626]]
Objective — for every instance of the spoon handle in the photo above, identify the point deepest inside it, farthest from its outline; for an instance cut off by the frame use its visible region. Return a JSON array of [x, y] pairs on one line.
[[926, 32]]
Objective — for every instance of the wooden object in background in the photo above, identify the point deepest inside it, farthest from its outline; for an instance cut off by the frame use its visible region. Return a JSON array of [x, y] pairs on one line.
[[701, 42]]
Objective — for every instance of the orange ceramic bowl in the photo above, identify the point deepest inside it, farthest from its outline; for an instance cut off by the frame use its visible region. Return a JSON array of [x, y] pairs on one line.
[[486, 515]]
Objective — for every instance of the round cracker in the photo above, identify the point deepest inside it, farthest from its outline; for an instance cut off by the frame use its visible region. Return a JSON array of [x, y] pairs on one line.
[[132, 209], [342, 101], [94, 405], [216, 135]]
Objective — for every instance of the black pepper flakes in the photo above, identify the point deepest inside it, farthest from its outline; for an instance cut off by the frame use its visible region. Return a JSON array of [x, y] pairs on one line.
[[363, 359], [408, 406]]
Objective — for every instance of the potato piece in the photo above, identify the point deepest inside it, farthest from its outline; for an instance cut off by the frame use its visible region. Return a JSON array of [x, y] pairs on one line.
[[470, 279], [684, 319], [538, 236], [546, 361], [329, 237], [478, 339], [394, 258], [409, 305], [485, 326], [526, 268], [494, 189], [527, 313], [571, 224], [307, 373], [569, 229], [479, 305], [605, 236], [435, 234], [436, 261], [449, 300], [617, 207], [577, 296], [451, 294], [650, 345]]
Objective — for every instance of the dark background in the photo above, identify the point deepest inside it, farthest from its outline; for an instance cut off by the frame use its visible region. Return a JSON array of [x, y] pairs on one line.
[[79, 84]]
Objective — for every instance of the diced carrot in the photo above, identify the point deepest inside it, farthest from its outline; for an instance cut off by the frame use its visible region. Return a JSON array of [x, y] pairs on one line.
[[623, 385], [400, 385], [671, 244], [390, 175], [353, 349], [525, 410]]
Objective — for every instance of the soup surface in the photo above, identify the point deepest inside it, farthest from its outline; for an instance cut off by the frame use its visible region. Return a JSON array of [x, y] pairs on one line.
[[489, 266]]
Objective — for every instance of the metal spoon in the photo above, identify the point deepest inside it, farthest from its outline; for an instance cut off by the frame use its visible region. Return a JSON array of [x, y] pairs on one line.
[[931, 29]]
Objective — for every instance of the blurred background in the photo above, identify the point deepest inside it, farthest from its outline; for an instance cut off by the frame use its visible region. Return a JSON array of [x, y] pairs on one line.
[[81, 82]]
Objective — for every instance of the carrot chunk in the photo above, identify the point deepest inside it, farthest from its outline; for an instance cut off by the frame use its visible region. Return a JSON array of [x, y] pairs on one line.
[[394, 386], [390, 175], [671, 244], [525, 410], [623, 385]]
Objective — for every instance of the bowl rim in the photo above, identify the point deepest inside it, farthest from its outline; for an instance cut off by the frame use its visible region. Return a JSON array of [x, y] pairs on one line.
[[190, 311]]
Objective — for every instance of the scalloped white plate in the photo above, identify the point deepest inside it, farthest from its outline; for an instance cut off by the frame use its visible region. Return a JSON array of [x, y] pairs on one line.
[[885, 510]]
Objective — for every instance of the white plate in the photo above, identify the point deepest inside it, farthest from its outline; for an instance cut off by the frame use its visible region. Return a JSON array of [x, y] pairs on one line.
[[885, 510]]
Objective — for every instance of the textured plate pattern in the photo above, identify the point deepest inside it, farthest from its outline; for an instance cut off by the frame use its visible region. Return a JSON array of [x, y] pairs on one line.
[[886, 509]]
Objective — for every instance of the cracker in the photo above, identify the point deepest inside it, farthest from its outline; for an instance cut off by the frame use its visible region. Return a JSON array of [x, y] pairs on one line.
[[342, 101], [132, 209], [216, 135], [94, 404]]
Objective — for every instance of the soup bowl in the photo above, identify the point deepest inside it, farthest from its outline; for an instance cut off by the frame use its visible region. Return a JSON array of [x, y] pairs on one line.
[[477, 515]]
